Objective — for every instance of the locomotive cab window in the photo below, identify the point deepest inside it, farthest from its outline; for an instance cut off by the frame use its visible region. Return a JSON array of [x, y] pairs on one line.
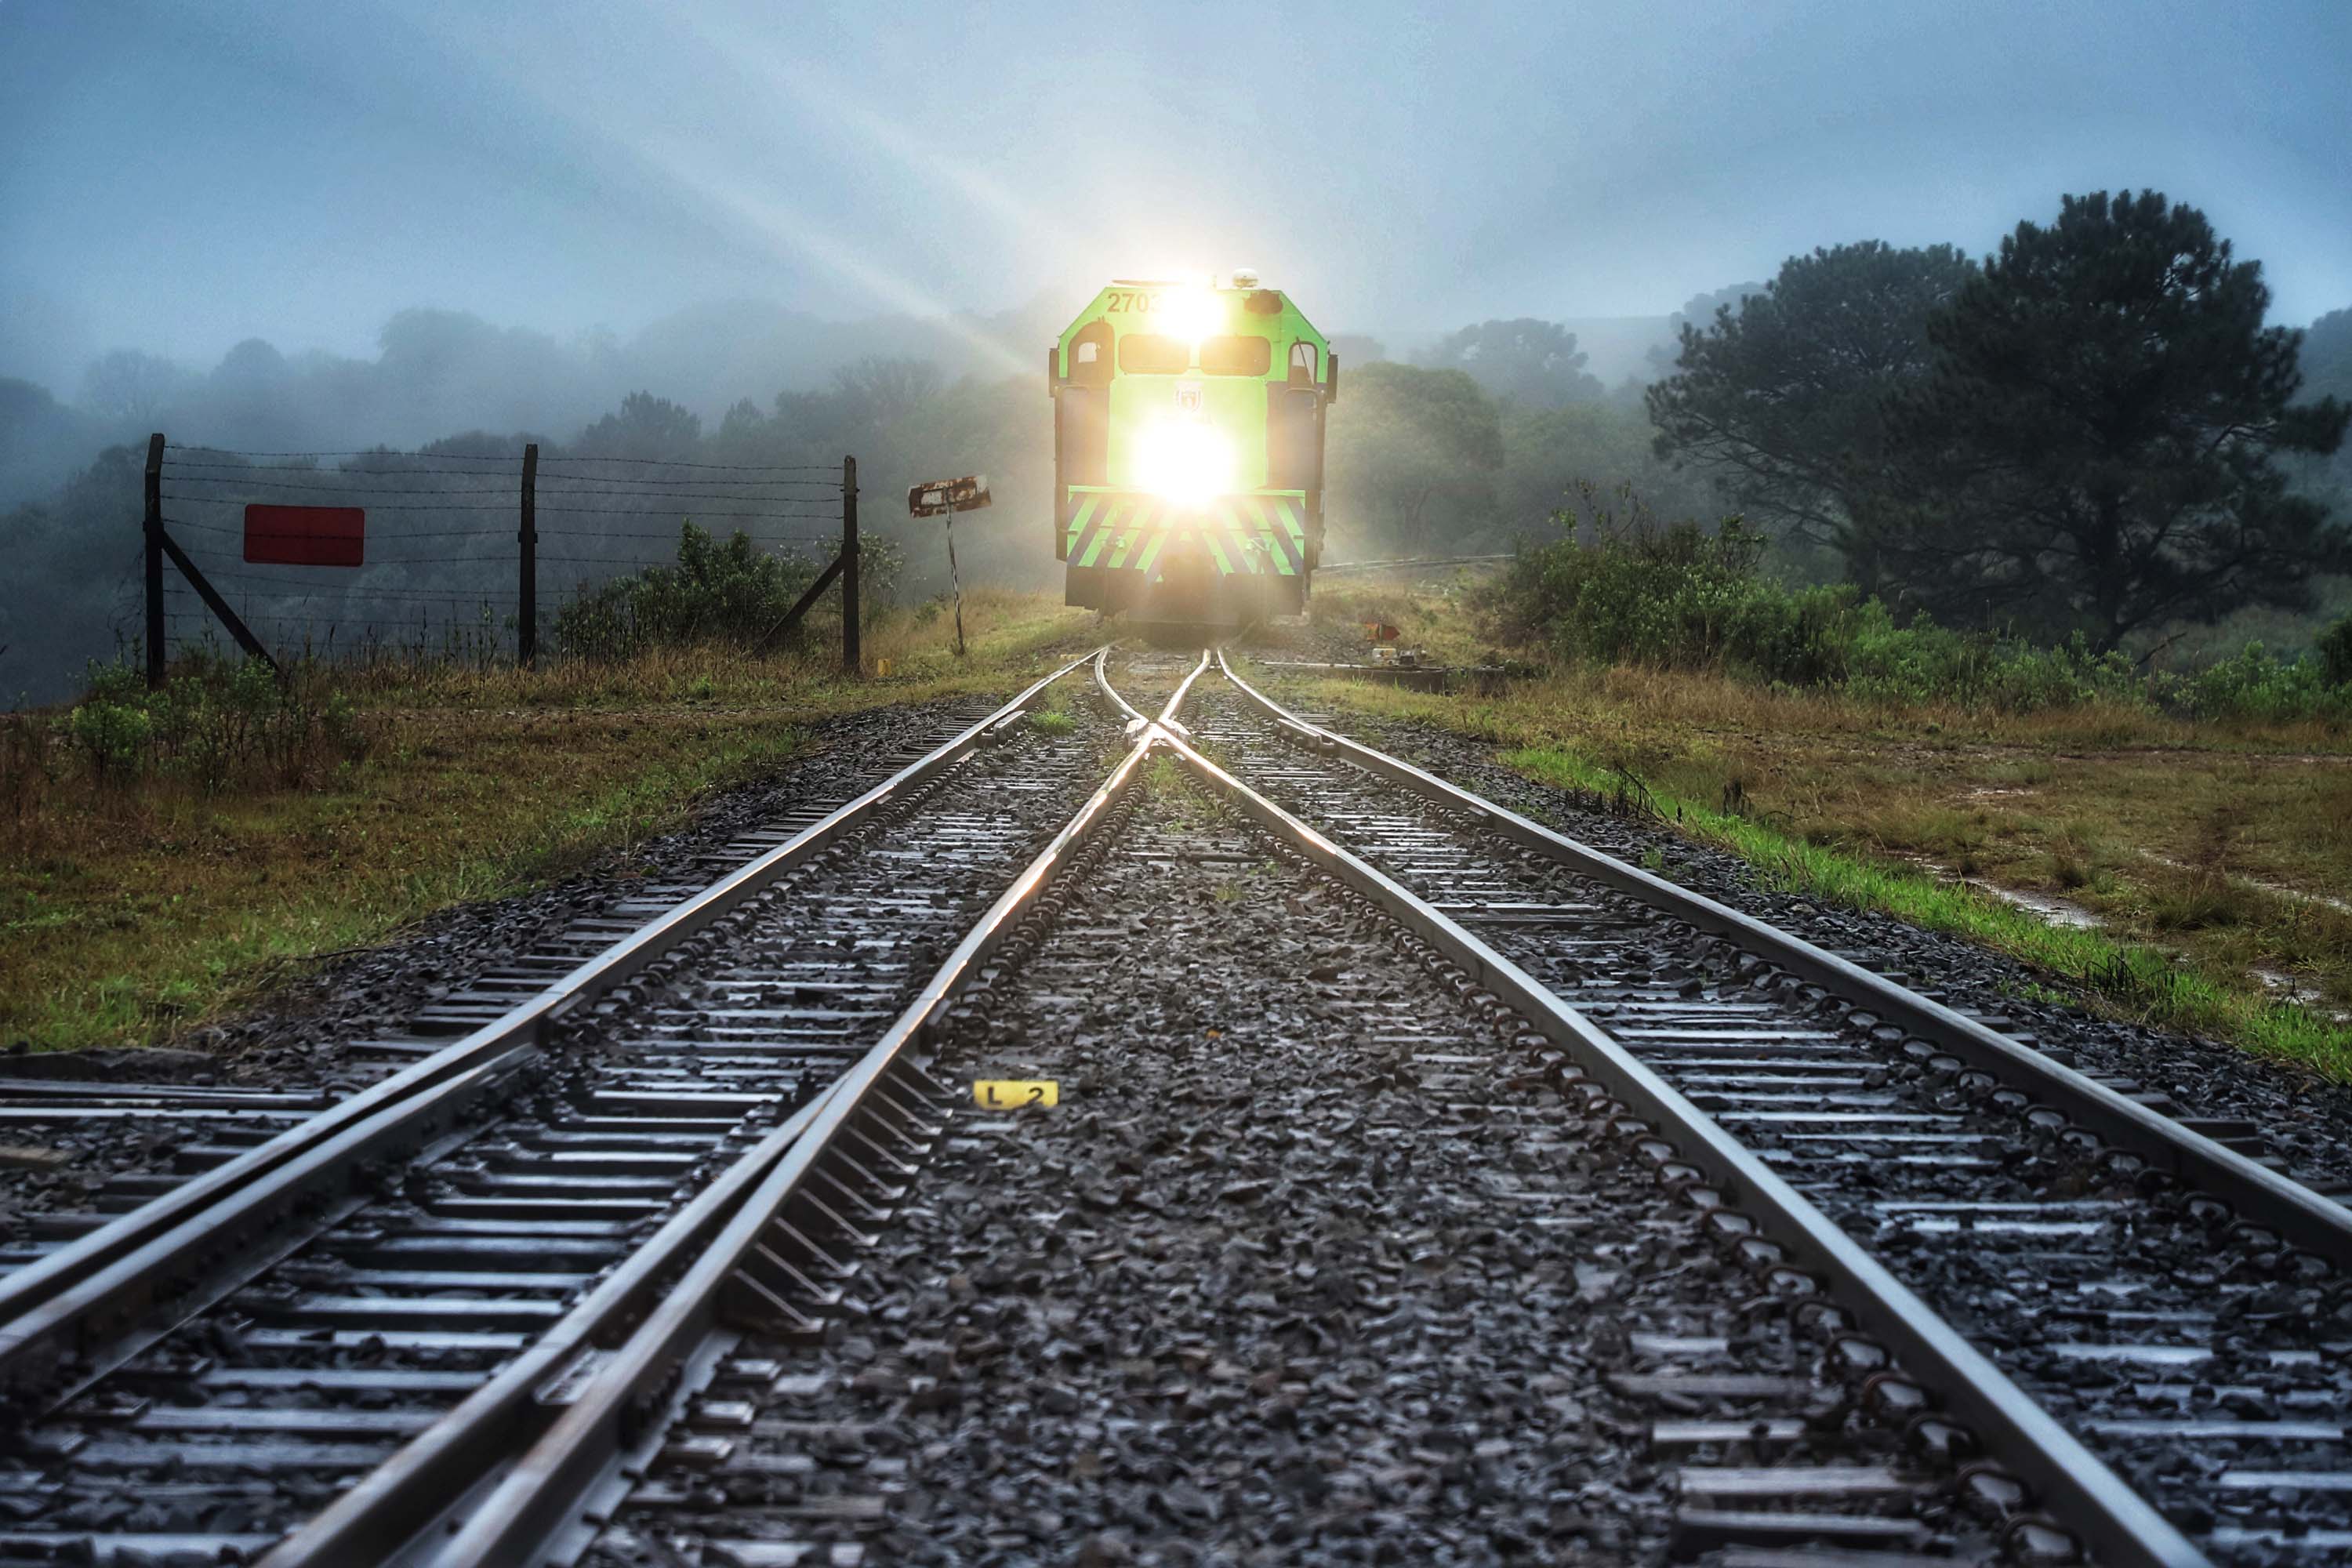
[[1150, 353], [1302, 362], [1235, 356], [1090, 355]]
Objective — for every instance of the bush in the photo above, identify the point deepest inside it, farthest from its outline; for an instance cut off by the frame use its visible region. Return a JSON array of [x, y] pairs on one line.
[[2335, 652], [112, 736], [216, 724], [725, 594], [2258, 686], [881, 566], [1625, 587], [1643, 592]]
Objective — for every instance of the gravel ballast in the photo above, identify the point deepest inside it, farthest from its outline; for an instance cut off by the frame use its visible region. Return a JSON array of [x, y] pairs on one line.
[[1307, 1265]]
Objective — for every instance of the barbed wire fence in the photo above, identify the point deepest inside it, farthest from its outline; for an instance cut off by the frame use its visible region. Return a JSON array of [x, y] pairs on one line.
[[467, 557]]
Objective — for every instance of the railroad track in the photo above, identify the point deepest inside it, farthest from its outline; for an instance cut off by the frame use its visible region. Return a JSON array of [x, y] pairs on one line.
[[482, 1308], [438, 1253], [2171, 1301]]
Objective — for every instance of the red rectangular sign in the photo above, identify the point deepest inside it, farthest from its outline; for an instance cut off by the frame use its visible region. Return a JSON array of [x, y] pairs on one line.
[[306, 535]]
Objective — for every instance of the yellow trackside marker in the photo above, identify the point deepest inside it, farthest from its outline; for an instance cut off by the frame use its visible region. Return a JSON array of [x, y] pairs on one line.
[[1012, 1093]]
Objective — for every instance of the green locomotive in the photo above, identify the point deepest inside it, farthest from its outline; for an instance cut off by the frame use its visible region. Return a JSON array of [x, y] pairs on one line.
[[1188, 451]]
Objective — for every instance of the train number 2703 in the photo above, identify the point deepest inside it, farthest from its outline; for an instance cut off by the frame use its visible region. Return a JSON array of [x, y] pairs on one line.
[[1131, 300]]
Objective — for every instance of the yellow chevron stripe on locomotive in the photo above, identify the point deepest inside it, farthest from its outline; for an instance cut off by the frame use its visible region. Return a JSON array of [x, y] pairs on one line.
[[1188, 451]]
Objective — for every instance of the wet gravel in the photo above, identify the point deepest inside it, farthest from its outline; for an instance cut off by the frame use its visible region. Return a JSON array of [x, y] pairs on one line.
[[381, 987], [2307, 1119], [1308, 1265], [2138, 1315]]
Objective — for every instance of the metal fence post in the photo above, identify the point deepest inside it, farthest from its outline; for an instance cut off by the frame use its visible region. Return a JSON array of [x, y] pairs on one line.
[[527, 586], [154, 527], [849, 655]]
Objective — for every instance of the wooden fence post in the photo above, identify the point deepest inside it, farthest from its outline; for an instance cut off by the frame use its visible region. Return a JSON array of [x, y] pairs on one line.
[[527, 598], [154, 539], [849, 655]]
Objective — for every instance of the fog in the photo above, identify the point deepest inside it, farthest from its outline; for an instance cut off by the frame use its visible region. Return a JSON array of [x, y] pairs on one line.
[[181, 178], [738, 382], [284, 228]]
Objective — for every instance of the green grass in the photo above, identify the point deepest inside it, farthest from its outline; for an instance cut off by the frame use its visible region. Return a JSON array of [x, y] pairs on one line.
[[132, 912], [2129, 979]]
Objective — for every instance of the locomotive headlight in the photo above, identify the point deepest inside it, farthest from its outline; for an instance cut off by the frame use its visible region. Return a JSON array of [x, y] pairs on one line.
[[1195, 314], [1185, 460]]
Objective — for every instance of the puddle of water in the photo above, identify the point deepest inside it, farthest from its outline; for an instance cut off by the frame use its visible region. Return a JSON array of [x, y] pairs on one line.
[[2058, 911], [2287, 988]]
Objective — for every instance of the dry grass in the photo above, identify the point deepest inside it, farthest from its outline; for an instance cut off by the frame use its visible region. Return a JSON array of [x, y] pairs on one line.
[[128, 912]]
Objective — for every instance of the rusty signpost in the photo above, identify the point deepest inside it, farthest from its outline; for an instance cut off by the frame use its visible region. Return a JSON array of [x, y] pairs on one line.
[[946, 497]]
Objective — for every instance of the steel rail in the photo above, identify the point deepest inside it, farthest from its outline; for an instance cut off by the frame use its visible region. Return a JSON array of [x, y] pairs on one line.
[[2256, 1193], [539, 1501], [398, 1498], [102, 1283], [2123, 1530], [1135, 716]]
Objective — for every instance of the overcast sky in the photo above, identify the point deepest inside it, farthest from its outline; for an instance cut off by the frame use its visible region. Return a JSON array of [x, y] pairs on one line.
[[181, 177]]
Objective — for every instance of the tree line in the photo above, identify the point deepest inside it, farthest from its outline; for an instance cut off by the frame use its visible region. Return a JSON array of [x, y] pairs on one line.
[[2092, 431]]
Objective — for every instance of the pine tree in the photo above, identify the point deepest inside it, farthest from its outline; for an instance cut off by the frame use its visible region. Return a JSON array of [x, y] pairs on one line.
[[1782, 401], [2095, 449]]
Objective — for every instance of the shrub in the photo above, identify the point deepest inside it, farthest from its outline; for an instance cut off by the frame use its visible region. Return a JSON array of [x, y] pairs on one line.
[[2255, 685], [881, 566], [2335, 652], [1625, 587], [728, 594], [1644, 592], [214, 724], [112, 739]]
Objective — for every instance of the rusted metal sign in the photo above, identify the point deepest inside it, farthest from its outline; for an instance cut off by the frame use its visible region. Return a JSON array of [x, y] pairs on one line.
[[306, 535], [939, 497]]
